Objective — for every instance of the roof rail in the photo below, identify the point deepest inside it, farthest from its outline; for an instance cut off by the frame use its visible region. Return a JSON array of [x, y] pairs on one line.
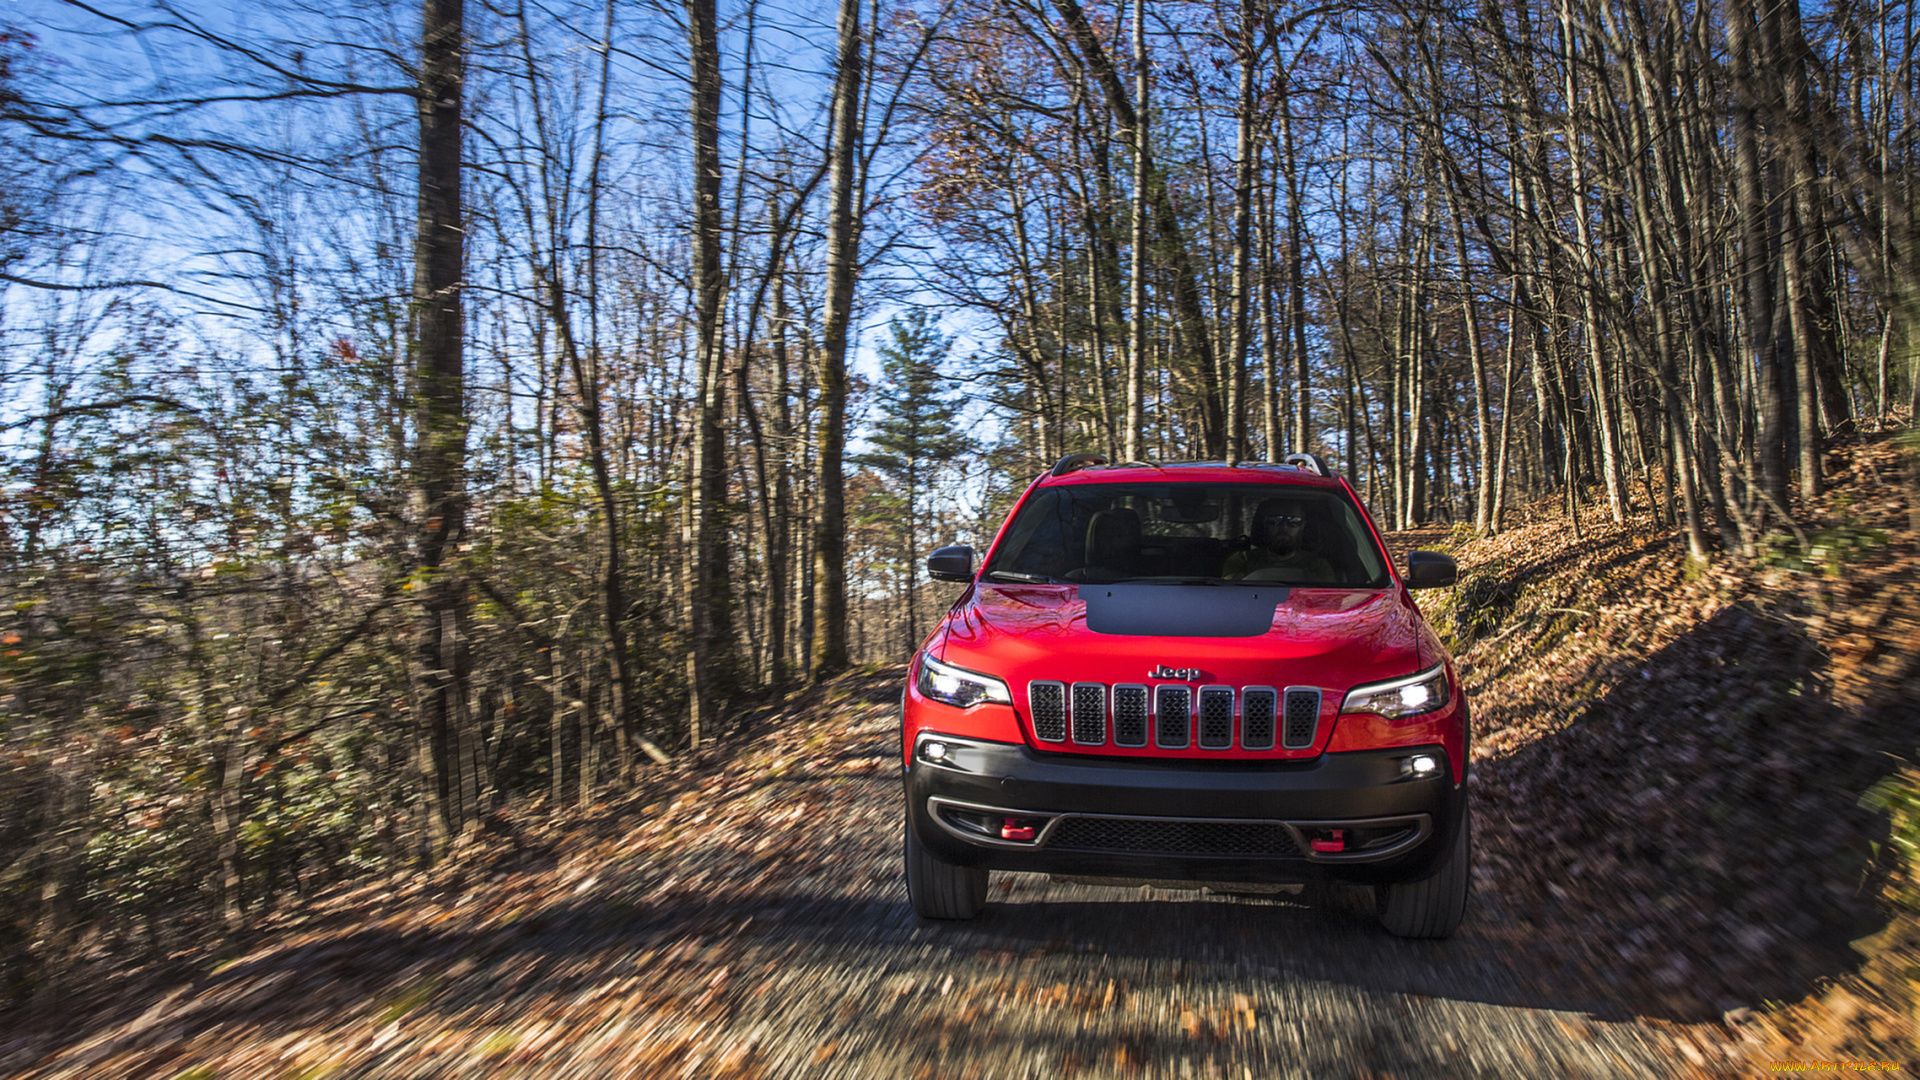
[[1309, 462], [1077, 461]]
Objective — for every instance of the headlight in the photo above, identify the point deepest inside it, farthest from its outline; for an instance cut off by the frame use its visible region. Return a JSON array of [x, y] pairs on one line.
[[1411, 696], [958, 686]]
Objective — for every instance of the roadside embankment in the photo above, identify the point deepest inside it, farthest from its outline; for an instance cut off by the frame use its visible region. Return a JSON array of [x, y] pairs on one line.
[[1671, 759]]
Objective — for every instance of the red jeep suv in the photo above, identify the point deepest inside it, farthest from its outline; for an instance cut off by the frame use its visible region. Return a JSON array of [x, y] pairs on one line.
[[1199, 671]]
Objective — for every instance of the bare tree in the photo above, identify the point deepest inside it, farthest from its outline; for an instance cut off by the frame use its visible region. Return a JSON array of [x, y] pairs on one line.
[[440, 422], [830, 654]]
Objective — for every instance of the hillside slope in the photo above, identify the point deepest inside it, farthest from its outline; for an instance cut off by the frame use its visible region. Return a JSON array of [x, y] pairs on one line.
[[1670, 763]]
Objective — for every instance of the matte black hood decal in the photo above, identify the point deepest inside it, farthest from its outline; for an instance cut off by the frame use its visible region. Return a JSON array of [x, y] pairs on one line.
[[1174, 610]]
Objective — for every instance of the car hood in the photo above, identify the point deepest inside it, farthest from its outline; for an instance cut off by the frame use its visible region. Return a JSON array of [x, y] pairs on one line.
[[1330, 638]]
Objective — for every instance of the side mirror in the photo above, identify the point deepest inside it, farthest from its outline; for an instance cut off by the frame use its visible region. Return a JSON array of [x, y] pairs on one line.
[[1430, 569], [951, 563]]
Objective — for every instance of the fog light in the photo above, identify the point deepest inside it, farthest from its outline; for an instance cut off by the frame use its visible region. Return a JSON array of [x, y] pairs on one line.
[[1420, 765], [934, 751]]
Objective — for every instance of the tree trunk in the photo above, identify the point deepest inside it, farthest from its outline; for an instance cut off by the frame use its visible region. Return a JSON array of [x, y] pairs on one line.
[[1246, 154], [440, 422], [1482, 413], [1137, 284], [830, 655], [1752, 203], [1296, 276], [707, 620], [1590, 273], [780, 520], [1188, 306]]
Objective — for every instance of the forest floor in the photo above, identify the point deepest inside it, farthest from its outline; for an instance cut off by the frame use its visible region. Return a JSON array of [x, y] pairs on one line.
[[1672, 864]]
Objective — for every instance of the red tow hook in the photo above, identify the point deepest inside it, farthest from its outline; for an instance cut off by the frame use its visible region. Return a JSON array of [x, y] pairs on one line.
[[1337, 844], [1011, 829]]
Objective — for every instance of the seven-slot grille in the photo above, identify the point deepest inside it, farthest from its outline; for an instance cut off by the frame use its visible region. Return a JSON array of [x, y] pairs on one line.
[[1166, 715]]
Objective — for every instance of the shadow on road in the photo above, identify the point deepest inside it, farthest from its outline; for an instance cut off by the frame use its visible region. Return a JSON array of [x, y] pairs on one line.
[[1692, 840], [1686, 842]]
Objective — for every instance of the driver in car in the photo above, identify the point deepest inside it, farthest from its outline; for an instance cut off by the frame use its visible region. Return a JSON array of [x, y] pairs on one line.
[[1279, 529]]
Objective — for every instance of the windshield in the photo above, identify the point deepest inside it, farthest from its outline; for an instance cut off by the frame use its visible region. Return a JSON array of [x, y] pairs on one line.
[[1106, 533]]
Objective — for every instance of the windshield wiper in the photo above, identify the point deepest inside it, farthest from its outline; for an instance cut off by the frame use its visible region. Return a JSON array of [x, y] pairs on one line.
[[1023, 579]]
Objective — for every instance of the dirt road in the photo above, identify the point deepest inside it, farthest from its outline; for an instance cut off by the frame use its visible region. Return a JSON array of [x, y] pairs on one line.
[[750, 920]]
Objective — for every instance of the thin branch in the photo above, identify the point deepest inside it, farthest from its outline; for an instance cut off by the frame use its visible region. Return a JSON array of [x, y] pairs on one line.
[[102, 406]]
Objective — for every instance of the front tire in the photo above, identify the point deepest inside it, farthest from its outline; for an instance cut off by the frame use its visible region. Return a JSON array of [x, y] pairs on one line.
[[1432, 908], [941, 890]]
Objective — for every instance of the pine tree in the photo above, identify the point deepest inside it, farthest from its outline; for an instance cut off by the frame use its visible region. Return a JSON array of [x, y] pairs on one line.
[[917, 437]]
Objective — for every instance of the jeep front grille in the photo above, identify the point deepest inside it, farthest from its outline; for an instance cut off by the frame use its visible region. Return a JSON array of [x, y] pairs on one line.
[[1174, 716]]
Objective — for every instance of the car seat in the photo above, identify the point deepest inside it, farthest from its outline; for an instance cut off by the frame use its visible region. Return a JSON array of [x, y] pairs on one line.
[[1113, 544]]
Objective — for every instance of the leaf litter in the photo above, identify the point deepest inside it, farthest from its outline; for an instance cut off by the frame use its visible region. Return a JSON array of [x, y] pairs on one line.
[[1666, 775]]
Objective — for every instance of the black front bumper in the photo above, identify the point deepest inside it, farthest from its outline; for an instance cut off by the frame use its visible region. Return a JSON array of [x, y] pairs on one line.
[[1225, 821]]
